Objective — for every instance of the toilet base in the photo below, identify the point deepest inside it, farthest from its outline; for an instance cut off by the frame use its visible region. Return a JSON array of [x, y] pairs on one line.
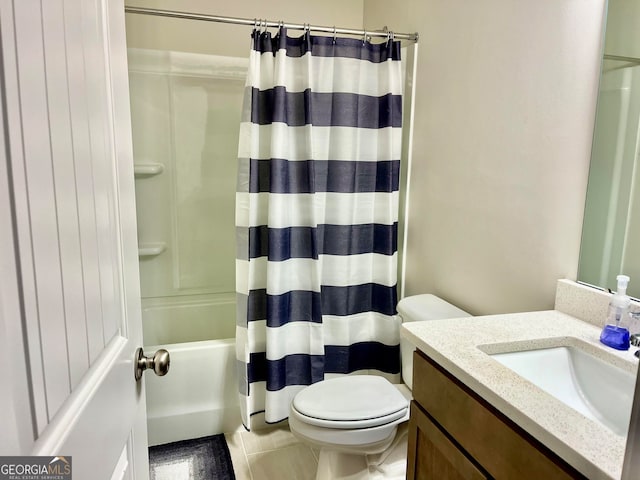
[[391, 464]]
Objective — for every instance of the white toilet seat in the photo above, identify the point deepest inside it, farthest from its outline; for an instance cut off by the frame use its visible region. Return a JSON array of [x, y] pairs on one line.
[[352, 424], [354, 414], [354, 401], [359, 441]]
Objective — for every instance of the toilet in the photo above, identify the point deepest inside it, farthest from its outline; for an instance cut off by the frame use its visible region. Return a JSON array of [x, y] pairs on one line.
[[359, 422]]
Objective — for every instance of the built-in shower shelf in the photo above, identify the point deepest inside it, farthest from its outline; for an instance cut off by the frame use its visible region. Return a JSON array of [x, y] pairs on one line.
[[151, 249], [147, 169]]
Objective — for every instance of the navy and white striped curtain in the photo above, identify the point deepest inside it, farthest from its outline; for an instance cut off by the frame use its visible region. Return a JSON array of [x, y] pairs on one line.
[[316, 216]]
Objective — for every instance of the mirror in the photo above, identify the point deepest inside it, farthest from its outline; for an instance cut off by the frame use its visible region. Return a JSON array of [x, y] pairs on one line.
[[611, 229]]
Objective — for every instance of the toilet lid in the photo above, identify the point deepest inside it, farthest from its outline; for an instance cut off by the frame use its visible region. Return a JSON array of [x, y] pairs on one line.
[[352, 399]]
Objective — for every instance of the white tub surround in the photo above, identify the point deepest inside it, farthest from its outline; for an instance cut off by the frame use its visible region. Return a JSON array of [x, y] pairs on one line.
[[185, 111], [462, 347]]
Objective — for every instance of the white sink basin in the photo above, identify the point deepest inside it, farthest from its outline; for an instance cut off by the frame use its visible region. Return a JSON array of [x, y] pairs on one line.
[[593, 387]]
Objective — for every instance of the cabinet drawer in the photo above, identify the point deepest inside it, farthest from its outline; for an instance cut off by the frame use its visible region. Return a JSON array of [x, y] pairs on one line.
[[433, 456], [503, 449]]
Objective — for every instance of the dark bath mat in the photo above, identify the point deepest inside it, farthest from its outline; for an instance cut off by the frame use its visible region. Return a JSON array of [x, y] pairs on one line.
[[205, 458]]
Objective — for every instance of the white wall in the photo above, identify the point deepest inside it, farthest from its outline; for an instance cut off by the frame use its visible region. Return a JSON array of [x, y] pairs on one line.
[[505, 102]]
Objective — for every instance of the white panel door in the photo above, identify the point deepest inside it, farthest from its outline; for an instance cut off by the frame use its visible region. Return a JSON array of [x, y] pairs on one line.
[[69, 296]]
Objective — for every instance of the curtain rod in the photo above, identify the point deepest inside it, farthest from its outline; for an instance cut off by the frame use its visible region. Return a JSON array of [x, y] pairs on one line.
[[622, 59], [268, 23]]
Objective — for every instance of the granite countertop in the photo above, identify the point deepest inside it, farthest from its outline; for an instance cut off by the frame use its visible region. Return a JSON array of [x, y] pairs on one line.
[[462, 345]]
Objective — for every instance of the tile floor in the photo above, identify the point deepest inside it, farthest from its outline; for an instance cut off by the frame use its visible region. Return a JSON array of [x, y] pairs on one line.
[[271, 454]]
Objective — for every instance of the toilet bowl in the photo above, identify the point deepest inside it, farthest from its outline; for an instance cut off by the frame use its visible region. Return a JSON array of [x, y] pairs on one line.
[[353, 417]]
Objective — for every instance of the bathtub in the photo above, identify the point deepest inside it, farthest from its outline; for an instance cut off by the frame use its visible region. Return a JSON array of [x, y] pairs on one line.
[[199, 395]]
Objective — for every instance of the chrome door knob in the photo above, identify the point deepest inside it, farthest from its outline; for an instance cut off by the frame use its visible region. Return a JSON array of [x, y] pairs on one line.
[[159, 363]]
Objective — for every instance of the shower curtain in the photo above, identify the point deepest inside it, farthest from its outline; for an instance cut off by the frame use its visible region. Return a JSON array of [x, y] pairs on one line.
[[316, 216]]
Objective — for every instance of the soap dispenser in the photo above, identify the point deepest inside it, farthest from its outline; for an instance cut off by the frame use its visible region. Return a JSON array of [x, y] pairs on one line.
[[615, 333]]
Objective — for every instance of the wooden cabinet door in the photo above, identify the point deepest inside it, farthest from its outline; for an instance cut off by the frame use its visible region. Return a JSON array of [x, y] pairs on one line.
[[504, 450], [432, 456]]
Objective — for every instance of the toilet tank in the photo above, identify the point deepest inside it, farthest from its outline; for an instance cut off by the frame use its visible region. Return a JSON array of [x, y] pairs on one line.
[[417, 308]]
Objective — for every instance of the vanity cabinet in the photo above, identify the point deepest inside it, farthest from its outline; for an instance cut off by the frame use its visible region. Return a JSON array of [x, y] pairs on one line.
[[455, 434]]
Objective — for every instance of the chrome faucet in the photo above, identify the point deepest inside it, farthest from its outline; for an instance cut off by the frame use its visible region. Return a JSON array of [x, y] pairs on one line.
[[635, 334]]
